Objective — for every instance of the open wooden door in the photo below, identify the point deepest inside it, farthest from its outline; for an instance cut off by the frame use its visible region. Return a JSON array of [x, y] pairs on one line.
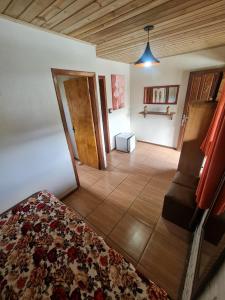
[[200, 116], [203, 86], [78, 96]]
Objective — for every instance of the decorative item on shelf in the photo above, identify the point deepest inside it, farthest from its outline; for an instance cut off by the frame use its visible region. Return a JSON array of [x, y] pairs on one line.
[[145, 110], [168, 113], [147, 59]]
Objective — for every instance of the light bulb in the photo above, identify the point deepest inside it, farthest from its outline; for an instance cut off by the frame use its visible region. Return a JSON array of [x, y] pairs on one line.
[[147, 64]]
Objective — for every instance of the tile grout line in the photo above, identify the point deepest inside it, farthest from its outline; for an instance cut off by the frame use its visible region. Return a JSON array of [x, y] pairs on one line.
[[132, 171], [128, 209], [104, 200], [153, 230], [107, 236]]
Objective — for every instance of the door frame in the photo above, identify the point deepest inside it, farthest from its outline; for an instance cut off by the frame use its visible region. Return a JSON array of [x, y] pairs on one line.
[[186, 103], [95, 112], [104, 109], [184, 113]]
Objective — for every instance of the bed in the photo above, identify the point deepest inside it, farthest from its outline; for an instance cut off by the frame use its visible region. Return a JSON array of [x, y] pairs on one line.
[[48, 252]]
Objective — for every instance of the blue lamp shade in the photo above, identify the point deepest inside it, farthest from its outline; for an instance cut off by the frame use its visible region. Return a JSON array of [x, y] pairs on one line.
[[147, 59]]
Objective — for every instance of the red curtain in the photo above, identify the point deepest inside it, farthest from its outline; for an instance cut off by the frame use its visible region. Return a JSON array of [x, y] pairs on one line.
[[214, 168]]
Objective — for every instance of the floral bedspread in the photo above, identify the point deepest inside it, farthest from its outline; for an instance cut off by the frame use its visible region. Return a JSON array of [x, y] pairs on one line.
[[48, 252]]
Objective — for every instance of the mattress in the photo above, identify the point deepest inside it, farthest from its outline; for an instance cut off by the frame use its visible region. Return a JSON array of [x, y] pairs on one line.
[[47, 251]]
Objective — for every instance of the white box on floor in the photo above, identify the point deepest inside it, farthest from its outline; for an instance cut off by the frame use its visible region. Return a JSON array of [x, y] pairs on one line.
[[125, 142]]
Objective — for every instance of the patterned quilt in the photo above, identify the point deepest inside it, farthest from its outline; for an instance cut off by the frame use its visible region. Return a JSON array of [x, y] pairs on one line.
[[48, 252]]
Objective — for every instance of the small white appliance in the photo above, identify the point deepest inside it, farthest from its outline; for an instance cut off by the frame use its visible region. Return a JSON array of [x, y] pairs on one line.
[[125, 142]]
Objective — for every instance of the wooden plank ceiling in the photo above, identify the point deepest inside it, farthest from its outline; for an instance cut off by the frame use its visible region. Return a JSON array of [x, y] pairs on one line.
[[116, 26]]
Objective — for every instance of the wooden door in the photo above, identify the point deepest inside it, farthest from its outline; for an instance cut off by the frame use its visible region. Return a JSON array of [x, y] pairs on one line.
[[202, 87], [77, 93], [200, 116], [104, 109]]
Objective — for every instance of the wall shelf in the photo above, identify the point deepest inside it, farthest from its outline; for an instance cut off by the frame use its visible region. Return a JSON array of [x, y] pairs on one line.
[[160, 113]]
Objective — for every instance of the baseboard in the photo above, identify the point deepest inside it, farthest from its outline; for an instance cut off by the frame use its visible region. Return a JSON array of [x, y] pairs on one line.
[[163, 146], [69, 193]]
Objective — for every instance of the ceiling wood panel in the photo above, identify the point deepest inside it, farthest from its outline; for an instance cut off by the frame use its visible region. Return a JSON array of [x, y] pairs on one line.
[[190, 44], [16, 7], [36, 7], [55, 8], [116, 26], [73, 8], [84, 13], [167, 11], [200, 16], [133, 8], [100, 12], [4, 4], [167, 30]]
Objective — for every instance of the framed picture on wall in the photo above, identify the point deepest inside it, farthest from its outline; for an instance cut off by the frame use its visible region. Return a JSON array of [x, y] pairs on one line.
[[118, 91], [167, 94], [173, 94], [159, 95]]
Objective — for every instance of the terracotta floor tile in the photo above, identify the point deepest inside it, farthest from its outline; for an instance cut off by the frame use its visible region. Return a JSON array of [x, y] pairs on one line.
[[121, 199], [125, 194], [130, 186], [153, 194], [164, 261], [82, 201], [87, 179], [95, 229], [113, 160], [131, 235], [115, 246], [171, 230], [105, 217], [144, 211], [133, 188], [101, 190], [113, 178], [92, 171], [123, 204], [138, 179], [159, 183]]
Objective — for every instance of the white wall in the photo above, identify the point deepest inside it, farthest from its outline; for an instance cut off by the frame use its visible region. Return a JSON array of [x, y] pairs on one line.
[[119, 120], [33, 150], [172, 70]]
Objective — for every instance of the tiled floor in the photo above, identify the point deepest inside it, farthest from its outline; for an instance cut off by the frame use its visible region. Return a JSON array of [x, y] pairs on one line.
[[124, 203]]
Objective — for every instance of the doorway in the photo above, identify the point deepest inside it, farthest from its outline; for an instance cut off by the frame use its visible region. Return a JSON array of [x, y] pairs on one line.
[[104, 109], [83, 134]]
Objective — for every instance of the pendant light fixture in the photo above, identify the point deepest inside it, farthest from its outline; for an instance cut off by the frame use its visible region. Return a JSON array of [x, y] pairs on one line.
[[147, 59]]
